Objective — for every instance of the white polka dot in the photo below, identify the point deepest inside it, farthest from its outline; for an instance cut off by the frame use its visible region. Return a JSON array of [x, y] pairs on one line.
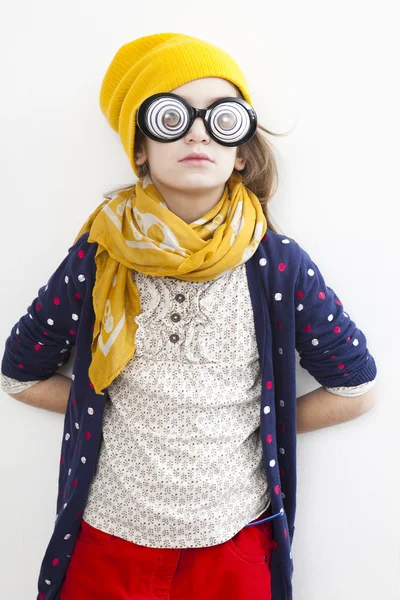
[[355, 342], [310, 272], [66, 279], [75, 317], [65, 505], [41, 343], [63, 350], [315, 342], [83, 459], [283, 495], [67, 341], [81, 277], [45, 289], [66, 537], [345, 314], [285, 241], [67, 436], [300, 307], [282, 450], [50, 321], [263, 261], [47, 581], [330, 317], [30, 316], [278, 296], [59, 364], [267, 410], [280, 350], [69, 471], [73, 377], [90, 410], [77, 425], [282, 402], [272, 463], [17, 331]]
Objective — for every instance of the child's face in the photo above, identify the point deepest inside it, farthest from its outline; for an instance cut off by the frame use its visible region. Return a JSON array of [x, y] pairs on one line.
[[164, 158]]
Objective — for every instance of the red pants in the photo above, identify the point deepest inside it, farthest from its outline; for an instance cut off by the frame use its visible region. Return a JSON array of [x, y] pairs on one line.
[[106, 567]]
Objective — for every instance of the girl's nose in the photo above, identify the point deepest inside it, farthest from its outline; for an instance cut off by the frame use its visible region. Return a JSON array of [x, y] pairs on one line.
[[198, 130]]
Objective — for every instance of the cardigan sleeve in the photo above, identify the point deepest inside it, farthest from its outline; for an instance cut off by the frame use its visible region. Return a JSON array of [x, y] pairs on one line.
[[330, 345], [42, 340]]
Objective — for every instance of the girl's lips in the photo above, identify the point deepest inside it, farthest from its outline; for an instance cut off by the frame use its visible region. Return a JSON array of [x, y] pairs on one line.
[[196, 160]]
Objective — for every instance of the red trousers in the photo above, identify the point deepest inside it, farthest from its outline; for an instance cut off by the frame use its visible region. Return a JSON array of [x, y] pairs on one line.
[[106, 567]]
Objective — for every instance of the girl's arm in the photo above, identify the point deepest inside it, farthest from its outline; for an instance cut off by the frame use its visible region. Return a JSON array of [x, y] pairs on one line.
[[42, 340], [333, 350], [51, 394]]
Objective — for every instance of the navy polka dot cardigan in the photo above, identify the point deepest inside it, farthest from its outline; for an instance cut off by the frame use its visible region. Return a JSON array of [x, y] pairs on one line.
[[294, 310]]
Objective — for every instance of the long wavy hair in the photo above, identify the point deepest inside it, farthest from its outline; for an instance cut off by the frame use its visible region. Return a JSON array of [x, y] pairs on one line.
[[260, 173]]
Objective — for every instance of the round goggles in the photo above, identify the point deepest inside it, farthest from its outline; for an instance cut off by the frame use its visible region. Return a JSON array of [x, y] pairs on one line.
[[166, 117]]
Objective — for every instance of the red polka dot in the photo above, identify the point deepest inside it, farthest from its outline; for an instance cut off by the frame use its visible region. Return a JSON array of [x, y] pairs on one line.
[[79, 512], [282, 427], [41, 596], [265, 237], [308, 328], [72, 332], [73, 401], [77, 296], [281, 266], [321, 295], [63, 494], [268, 385], [74, 483], [88, 435], [55, 562], [286, 532], [81, 253], [336, 329], [279, 325], [348, 338], [269, 438], [338, 302], [300, 295], [56, 301], [282, 472], [45, 333], [341, 366], [277, 489], [37, 346], [61, 460], [333, 356], [21, 366], [91, 384], [38, 306]]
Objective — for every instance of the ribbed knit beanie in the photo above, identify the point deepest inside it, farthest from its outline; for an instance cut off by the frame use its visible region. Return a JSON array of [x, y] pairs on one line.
[[159, 63]]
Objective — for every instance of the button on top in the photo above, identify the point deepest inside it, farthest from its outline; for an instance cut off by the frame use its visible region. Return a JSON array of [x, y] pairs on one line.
[[180, 298], [174, 338], [175, 317]]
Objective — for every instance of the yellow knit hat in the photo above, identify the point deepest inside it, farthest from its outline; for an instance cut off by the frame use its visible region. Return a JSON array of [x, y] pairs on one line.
[[159, 63]]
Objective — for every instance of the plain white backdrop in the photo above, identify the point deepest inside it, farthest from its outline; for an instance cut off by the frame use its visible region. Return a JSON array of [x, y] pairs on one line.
[[331, 71]]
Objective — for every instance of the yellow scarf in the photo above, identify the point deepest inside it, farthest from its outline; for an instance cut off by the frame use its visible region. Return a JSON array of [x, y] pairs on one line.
[[135, 231]]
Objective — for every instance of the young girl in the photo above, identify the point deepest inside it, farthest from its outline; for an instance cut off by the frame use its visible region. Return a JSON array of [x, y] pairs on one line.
[[186, 309]]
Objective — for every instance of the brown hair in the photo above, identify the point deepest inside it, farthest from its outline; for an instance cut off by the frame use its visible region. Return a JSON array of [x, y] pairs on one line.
[[260, 173]]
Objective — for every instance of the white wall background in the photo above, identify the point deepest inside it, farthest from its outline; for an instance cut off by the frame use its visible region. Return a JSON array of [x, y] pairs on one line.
[[332, 71]]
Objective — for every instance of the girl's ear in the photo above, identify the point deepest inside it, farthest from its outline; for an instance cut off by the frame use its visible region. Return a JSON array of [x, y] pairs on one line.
[[140, 157], [240, 162]]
